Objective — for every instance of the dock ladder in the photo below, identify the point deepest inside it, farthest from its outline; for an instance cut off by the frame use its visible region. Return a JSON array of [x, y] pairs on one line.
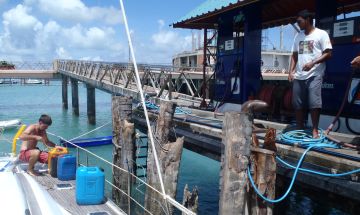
[[141, 156]]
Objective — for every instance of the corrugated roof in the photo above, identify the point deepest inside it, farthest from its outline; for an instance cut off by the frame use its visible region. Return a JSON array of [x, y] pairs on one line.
[[208, 7], [273, 12]]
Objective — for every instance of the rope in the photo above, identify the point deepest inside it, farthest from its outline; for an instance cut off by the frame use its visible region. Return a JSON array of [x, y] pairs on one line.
[[134, 200], [90, 131], [304, 139], [317, 145], [102, 159], [178, 110]]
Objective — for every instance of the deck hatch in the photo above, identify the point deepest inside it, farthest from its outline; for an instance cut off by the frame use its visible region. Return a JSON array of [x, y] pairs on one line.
[[63, 186]]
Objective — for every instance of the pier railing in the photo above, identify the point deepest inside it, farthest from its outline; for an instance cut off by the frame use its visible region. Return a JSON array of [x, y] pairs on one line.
[[160, 80], [32, 65]]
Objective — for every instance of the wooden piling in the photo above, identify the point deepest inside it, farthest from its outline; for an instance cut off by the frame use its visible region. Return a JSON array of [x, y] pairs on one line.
[[64, 91], [264, 173], [123, 149], [91, 112], [169, 155], [237, 130], [191, 199], [75, 96]]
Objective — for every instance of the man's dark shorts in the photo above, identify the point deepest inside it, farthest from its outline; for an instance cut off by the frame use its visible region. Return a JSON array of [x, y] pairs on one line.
[[307, 93]]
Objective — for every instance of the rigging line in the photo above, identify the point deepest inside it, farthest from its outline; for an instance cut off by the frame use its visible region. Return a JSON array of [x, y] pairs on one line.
[[106, 161], [134, 200], [138, 82], [91, 131], [154, 199]]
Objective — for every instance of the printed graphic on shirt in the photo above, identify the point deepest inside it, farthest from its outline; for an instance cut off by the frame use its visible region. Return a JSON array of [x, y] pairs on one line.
[[306, 47]]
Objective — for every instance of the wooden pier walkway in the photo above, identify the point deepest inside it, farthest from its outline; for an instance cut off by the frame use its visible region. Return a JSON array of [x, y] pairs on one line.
[[203, 130], [119, 79], [207, 140], [42, 74]]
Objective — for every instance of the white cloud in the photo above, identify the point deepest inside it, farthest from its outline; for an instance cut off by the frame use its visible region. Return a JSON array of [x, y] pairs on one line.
[[25, 36], [96, 58], [62, 53], [165, 44], [77, 11], [161, 24], [91, 38], [18, 17], [32, 31], [19, 28]]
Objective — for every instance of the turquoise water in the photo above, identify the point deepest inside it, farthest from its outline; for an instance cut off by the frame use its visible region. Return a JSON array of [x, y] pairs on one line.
[[29, 102]]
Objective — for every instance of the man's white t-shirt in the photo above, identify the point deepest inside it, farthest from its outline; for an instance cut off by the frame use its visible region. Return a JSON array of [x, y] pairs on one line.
[[310, 47]]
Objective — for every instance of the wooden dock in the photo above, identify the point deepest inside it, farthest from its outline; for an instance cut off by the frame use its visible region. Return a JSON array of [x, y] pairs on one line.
[[40, 74], [202, 131], [206, 140]]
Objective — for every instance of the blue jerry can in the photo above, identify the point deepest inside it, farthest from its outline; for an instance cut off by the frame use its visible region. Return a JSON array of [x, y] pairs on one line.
[[66, 167], [90, 182]]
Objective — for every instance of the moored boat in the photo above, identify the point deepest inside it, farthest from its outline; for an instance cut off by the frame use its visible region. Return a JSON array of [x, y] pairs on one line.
[[86, 142], [10, 123], [33, 81]]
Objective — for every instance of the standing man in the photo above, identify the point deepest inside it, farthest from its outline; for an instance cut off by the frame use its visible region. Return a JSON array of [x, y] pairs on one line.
[[30, 137], [311, 48]]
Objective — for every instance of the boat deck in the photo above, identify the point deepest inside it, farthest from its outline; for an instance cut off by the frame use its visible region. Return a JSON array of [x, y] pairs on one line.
[[66, 198]]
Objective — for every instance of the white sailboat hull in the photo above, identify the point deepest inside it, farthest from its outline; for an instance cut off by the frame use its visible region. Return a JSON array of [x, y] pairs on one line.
[[10, 123]]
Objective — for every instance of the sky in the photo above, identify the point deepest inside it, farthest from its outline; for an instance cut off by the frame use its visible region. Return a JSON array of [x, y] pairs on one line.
[[43, 30]]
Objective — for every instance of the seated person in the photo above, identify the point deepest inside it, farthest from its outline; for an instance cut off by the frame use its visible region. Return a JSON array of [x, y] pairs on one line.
[[30, 137]]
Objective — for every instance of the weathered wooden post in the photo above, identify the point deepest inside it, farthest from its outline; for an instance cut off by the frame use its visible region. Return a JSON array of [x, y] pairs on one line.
[[91, 112], [65, 91], [169, 155], [237, 130], [191, 199], [75, 96], [264, 173], [123, 149]]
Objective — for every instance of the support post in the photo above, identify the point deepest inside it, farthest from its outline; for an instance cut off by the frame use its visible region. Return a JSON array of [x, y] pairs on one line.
[[75, 96], [123, 149], [235, 155], [264, 168], [65, 92], [169, 155], [203, 86], [91, 112]]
